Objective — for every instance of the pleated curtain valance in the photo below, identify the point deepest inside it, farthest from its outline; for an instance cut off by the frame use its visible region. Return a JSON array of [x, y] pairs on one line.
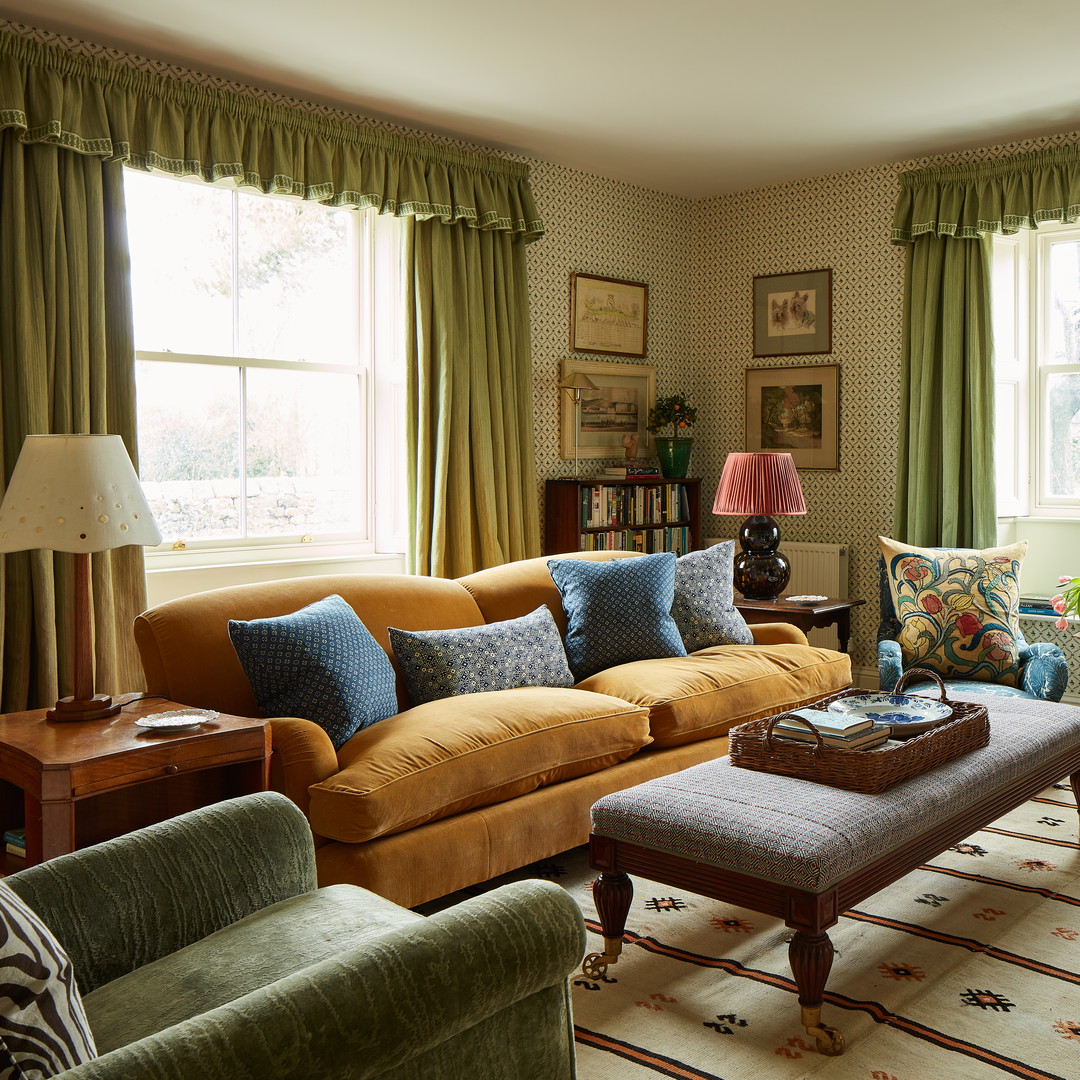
[[1003, 196], [96, 106]]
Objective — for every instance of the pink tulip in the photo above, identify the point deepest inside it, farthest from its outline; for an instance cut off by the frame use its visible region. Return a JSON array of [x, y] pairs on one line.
[[1062, 624], [1064, 580], [1058, 604]]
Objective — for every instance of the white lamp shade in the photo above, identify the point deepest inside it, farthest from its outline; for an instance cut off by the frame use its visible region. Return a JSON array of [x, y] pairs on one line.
[[75, 493]]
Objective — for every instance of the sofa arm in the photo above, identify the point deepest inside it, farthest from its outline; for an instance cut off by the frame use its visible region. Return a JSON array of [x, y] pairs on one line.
[[123, 903], [777, 633], [1045, 671], [890, 664], [439, 997], [302, 755]]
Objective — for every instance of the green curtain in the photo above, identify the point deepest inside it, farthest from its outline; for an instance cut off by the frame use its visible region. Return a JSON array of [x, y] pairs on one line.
[[945, 490], [469, 386], [66, 366]]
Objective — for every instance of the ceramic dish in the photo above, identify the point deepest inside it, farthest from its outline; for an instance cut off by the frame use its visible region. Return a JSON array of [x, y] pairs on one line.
[[905, 714], [180, 720], [808, 599]]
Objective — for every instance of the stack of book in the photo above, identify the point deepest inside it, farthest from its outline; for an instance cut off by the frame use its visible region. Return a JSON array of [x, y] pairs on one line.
[[15, 842], [839, 732], [632, 470]]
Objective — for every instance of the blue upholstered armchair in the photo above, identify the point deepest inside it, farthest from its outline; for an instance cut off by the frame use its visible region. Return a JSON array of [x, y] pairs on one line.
[[203, 948], [1044, 672]]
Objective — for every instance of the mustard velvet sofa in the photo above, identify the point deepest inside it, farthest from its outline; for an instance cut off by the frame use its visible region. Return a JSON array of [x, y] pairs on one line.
[[453, 792]]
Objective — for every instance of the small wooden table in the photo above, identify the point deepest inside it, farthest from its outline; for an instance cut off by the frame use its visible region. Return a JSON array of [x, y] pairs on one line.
[[75, 783], [832, 609]]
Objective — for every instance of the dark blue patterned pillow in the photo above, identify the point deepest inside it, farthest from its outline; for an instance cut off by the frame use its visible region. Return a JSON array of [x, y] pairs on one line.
[[617, 611], [704, 592], [319, 663], [497, 656]]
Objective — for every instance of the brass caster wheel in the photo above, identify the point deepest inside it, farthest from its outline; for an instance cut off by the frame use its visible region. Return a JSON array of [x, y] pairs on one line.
[[595, 965], [829, 1041]]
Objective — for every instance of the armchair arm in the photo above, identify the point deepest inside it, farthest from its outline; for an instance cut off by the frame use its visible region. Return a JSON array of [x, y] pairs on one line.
[[121, 904], [890, 663], [1045, 671], [440, 992], [777, 633]]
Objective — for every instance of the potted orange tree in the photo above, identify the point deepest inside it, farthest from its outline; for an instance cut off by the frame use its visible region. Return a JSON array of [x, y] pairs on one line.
[[675, 414]]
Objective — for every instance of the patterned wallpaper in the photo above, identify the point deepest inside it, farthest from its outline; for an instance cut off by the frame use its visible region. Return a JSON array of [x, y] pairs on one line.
[[699, 258]]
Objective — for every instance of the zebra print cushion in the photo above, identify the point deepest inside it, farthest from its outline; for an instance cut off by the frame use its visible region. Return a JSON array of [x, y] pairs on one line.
[[43, 1028]]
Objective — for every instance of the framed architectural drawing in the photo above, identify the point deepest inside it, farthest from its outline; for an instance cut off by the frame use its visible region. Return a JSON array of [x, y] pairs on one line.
[[612, 414], [608, 315], [793, 313], [796, 409]]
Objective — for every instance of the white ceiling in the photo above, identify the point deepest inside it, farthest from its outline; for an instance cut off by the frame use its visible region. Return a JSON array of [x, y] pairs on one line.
[[686, 96]]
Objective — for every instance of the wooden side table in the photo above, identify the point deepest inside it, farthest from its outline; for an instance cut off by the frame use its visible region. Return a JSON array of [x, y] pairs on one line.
[[72, 784], [805, 616]]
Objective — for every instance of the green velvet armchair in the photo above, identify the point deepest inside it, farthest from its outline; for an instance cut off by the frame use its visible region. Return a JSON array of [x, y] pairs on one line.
[[203, 948]]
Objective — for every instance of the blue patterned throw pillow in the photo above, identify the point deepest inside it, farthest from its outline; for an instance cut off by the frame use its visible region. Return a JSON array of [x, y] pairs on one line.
[[319, 663], [497, 656], [704, 592], [617, 611]]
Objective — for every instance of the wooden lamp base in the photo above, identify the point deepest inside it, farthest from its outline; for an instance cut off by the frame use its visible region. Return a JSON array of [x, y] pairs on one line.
[[97, 707]]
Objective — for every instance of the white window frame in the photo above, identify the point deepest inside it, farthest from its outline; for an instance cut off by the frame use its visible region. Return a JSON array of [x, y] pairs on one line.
[[380, 370]]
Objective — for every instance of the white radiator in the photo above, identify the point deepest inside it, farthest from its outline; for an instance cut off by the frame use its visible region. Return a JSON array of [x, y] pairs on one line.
[[815, 568]]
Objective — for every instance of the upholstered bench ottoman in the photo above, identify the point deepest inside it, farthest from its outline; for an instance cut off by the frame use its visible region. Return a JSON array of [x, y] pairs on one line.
[[806, 852]]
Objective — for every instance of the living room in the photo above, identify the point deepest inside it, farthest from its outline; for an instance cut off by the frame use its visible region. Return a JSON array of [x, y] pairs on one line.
[[699, 256]]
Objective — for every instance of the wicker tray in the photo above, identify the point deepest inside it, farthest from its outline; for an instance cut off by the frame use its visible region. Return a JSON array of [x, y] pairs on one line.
[[751, 746]]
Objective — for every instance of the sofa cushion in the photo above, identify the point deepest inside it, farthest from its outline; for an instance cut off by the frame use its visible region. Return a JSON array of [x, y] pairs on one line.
[[617, 612], [446, 756], [708, 693], [499, 656], [703, 607], [319, 663], [43, 1026], [958, 609], [253, 952]]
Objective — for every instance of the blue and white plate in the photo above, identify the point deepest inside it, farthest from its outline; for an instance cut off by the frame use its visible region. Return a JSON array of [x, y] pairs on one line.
[[904, 713]]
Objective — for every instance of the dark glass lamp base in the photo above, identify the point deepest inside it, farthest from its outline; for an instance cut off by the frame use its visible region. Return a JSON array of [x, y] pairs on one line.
[[761, 572]]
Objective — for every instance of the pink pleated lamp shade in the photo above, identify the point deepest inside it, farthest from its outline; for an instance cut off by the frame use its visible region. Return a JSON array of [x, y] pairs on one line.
[[765, 484]]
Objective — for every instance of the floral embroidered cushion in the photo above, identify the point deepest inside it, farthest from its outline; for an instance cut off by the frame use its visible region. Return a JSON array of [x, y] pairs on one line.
[[958, 609]]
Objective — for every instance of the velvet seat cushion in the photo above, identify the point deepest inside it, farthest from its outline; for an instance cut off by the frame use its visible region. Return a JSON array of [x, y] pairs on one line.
[[454, 754], [255, 951], [706, 694]]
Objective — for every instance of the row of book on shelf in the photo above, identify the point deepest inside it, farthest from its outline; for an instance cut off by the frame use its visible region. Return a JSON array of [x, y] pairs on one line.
[[675, 538], [839, 732], [633, 504], [15, 842]]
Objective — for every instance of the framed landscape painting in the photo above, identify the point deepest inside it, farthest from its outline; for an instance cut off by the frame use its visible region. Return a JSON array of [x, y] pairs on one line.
[[612, 414], [796, 409], [608, 315], [793, 313]]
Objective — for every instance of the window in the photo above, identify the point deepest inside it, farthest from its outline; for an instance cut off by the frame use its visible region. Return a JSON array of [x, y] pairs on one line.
[[265, 350], [1036, 307]]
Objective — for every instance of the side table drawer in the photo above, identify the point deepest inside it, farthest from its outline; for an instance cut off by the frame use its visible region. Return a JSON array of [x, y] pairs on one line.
[[171, 756]]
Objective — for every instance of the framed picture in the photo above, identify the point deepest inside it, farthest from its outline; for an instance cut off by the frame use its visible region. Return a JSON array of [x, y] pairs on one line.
[[608, 315], [613, 414], [796, 409], [793, 313]]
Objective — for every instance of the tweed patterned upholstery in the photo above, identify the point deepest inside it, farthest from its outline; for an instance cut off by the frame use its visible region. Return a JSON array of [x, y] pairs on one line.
[[319, 663], [617, 612], [504, 655], [703, 608], [809, 836]]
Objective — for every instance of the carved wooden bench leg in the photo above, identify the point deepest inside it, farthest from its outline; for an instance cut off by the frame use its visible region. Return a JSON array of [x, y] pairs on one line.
[[811, 957], [612, 894]]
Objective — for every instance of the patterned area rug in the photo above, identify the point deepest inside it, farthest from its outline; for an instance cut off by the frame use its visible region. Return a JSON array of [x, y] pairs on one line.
[[966, 969]]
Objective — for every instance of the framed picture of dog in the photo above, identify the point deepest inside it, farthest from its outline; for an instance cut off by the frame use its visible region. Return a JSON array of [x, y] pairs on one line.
[[793, 313]]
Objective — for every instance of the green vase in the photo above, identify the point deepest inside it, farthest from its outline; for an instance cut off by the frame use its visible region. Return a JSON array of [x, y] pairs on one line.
[[674, 455]]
